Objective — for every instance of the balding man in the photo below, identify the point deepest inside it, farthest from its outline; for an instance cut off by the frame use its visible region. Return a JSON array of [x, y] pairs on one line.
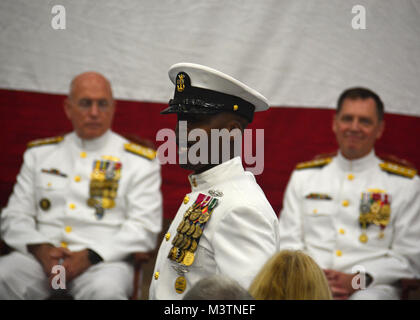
[[84, 203]]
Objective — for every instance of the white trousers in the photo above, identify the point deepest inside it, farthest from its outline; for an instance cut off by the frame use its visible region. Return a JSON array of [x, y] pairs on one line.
[[378, 292], [22, 277]]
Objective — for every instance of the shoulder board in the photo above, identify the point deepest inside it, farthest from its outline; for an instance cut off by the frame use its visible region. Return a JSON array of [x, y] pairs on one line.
[[398, 169], [318, 163], [42, 142], [140, 150]]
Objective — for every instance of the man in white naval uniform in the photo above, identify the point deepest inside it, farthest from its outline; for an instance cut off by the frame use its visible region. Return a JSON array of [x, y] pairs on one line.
[[356, 215], [225, 225], [86, 201]]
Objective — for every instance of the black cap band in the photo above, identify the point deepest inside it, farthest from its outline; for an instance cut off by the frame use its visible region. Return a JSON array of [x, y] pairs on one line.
[[194, 100]]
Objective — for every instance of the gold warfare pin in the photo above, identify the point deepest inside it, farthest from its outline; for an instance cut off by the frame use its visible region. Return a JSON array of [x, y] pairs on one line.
[[45, 204]]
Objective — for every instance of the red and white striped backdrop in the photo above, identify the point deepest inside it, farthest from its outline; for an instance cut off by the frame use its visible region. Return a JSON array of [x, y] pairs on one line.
[[299, 54]]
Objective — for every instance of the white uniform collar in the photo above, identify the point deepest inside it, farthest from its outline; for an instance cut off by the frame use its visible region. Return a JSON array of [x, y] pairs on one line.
[[220, 173], [91, 144], [357, 165]]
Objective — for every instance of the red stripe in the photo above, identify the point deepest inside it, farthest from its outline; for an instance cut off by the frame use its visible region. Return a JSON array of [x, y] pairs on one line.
[[291, 135]]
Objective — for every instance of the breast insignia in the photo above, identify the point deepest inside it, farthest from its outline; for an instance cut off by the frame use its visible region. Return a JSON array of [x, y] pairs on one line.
[[398, 169], [46, 141], [318, 163], [139, 150]]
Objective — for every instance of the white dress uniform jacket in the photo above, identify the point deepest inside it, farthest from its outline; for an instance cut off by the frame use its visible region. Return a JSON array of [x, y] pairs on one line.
[[321, 216], [61, 173], [240, 236]]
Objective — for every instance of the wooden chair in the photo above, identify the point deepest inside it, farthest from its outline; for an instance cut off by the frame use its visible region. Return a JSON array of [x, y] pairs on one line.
[[139, 258], [408, 286]]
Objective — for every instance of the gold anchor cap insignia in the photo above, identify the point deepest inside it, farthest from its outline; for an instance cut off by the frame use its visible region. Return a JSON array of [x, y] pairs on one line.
[[180, 82]]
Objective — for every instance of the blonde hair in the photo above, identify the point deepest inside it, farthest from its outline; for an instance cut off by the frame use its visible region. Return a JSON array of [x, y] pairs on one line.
[[290, 275]]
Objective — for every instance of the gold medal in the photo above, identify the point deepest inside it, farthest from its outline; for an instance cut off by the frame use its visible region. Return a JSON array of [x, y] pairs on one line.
[[204, 218], [198, 232], [363, 238], [195, 214], [45, 204], [181, 254], [183, 243], [194, 245], [386, 210], [191, 230], [187, 244], [181, 225], [95, 175], [180, 284], [188, 258], [91, 202], [185, 228], [106, 203], [176, 238], [172, 253], [375, 207], [179, 240]]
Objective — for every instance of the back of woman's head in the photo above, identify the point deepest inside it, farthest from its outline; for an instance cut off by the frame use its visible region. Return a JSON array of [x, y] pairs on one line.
[[290, 275]]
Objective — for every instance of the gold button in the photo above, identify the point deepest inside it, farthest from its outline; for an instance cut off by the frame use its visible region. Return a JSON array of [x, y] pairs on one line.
[[67, 229], [72, 206], [83, 154], [77, 178], [64, 244], [341, 231], [186, 199], [338, 253], [167, 236], [49, 184], [350, 176], [156, 275], [235, 107], [315, 211], [345, 203]]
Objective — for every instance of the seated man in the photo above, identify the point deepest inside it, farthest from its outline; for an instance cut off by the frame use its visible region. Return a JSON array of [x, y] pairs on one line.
[[225, 225], [354, 213], [85, 201]]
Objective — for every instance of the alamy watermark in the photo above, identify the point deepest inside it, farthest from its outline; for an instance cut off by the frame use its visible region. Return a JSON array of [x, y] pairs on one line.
[[58, 280], [58, 22], [198, 147], [359, 20], [359, 280]]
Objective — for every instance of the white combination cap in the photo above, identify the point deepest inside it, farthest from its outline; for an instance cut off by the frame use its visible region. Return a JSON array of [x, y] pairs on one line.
[[203, 90]]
